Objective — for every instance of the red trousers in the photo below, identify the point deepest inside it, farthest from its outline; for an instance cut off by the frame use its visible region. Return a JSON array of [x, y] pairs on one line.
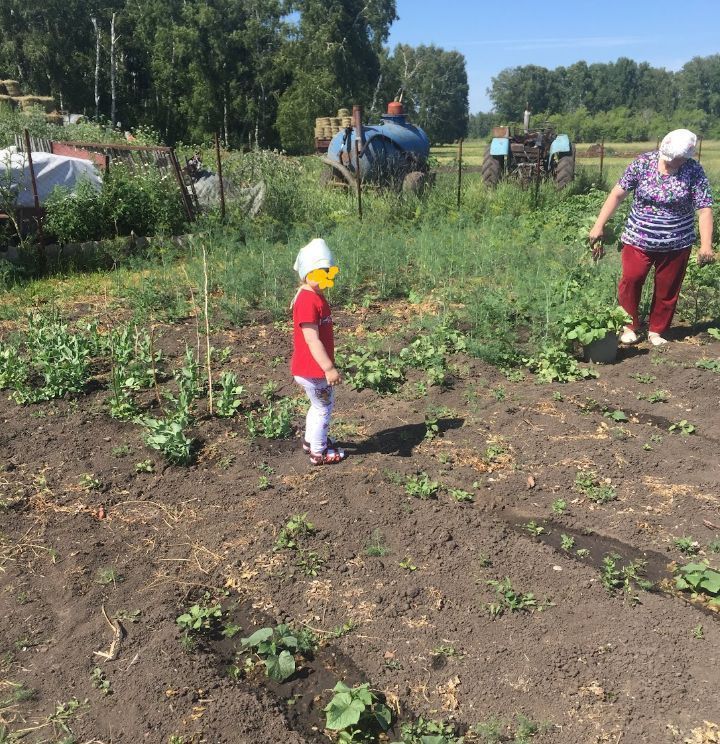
[[669, 273]]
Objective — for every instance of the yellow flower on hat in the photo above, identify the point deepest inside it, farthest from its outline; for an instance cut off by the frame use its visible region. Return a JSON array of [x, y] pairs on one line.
[[323, 277]]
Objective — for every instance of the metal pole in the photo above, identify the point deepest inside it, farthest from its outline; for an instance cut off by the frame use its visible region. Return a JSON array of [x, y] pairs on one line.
[[459, 171], [358, 177], [33, 183], [602, 155], [220, 176]]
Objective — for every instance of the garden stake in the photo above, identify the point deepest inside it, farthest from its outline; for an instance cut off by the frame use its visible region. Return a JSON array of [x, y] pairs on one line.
[[359, 177], [460, 144], [207, 321], [36, 198], [222, 187]]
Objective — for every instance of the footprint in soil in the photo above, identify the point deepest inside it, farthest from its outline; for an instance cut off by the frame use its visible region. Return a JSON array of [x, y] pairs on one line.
[[400, 440]]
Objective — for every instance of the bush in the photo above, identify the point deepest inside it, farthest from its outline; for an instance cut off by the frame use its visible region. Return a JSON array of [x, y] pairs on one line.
[[144, 201]]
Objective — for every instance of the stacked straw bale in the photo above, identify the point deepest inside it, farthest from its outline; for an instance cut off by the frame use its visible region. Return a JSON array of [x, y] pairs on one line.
[[328, 126]]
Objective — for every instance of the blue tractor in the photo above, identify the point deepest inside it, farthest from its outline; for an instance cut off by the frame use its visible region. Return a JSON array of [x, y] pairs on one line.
[[393, 153], [527, 154]]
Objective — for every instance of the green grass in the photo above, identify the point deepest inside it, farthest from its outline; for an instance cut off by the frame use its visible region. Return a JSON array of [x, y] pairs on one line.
[[509, 263]]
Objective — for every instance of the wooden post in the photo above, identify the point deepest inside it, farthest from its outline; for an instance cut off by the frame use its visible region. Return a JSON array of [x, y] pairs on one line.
[[459, 171], [36, 198], [602, 155], [358, 177], [181, 184], [220, 176]]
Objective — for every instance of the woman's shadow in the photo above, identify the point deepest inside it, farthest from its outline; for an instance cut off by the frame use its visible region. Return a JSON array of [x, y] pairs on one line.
[[400, 440]]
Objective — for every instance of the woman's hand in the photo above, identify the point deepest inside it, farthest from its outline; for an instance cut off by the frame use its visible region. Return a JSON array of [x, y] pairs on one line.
[[595, 238], [705, 256], [332, 377]]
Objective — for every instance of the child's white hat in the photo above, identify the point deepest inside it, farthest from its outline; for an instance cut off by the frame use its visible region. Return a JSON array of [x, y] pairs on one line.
[[680, 143], [315, 255]]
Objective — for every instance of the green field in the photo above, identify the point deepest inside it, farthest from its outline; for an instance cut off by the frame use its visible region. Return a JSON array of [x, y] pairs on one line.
[[618, 155]]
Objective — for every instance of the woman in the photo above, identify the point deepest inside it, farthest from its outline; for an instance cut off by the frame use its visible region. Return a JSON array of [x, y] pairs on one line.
[[669, 188]]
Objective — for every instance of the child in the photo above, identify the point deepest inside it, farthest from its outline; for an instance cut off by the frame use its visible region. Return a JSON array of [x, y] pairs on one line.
[[313, 360]]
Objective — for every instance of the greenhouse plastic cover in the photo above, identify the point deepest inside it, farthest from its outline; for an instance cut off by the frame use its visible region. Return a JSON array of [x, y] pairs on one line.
[[50, 171]]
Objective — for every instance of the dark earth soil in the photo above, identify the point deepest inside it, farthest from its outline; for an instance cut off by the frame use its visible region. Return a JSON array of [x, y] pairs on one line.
[[587, 664]]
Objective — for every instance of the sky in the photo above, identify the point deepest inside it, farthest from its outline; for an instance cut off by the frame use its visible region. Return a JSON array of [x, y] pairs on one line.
[[495, 35]]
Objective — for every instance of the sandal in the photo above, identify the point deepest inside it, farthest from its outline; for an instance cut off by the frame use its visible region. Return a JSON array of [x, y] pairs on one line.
[[327, 457], [330, 443]]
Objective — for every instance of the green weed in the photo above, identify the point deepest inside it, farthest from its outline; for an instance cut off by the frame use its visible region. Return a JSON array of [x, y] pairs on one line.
[[296, 528], [588, 484], [420, 486], [375, 548], [509, 600]]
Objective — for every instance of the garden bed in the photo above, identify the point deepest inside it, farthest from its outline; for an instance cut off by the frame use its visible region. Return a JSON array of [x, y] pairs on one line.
[[531, 486]]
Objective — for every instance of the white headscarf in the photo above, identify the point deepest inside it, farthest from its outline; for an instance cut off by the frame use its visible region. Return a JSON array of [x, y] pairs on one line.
[[680, 143], [315, 255]]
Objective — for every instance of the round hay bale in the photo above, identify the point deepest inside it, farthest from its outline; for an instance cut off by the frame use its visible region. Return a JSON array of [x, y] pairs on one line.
[[343, 112], [54, 118], [347, 121], [12, 87]]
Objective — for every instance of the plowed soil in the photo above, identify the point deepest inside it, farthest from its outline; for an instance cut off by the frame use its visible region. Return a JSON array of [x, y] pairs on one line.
[[587, 664]]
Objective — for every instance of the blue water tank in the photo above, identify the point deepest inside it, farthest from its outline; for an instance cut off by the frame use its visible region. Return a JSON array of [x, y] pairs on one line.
[[388, 147]]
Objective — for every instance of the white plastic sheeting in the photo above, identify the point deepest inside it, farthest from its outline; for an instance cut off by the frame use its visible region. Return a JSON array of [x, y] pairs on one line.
[[50, 171]]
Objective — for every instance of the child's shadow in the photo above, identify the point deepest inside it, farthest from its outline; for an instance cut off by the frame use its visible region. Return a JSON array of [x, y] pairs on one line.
[[400, 440]]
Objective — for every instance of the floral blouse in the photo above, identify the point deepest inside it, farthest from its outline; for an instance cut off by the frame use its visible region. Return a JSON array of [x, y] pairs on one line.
[[662, 217]]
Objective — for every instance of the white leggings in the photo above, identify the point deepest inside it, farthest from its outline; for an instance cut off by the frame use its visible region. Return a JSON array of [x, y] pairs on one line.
[[317, 421]]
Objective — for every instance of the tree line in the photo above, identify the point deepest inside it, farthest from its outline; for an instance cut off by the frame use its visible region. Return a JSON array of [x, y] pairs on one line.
[[256, 71], [622, 100]]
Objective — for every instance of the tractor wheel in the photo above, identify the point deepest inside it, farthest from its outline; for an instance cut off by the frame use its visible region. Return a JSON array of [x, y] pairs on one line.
[[491, 170], [414, 183], [565, 170]]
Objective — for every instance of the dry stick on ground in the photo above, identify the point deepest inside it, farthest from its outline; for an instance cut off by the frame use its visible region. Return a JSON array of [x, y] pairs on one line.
[[207, 330], [117, 630]]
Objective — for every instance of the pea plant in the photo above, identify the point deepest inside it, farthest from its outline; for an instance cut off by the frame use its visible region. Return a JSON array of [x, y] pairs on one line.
[[57, 356], [229, 400], [273, 420], [368, 369]]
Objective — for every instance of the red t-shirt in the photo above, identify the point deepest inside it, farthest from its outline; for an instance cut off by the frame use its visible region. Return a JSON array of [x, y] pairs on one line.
[[310, 307]]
